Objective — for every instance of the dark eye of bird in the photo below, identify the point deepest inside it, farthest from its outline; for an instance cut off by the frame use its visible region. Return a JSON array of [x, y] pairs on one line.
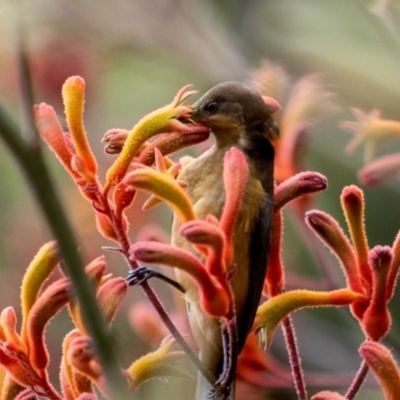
[[211, 107]]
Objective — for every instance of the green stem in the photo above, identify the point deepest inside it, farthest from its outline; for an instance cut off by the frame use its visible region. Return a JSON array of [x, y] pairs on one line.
[[32, 163]]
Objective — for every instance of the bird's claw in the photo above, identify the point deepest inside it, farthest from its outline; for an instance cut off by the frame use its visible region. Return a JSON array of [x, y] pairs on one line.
[[219, 391], [225, 383], [139, 275], [221, 388]]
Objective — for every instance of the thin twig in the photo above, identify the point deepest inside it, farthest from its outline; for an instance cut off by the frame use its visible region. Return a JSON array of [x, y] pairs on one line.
[[358, 381], [294, 358], [152, 296]]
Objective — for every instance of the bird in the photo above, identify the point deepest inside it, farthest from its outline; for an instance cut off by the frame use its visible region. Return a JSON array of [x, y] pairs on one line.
[[238, 116]]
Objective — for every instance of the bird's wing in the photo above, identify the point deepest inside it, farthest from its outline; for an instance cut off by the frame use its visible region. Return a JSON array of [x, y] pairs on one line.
[[263, 153], [258, 258]]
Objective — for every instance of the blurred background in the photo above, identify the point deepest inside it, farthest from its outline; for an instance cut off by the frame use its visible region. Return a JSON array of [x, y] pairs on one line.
[[134, 56]]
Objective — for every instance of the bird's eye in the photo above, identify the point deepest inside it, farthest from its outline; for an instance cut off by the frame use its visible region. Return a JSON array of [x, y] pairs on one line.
[[211, 107]]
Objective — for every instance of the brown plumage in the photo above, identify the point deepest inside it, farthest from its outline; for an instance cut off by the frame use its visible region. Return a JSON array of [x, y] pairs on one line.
[[238, 116]]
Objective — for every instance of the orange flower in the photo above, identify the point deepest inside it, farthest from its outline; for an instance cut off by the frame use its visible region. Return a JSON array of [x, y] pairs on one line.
[[370, 272]]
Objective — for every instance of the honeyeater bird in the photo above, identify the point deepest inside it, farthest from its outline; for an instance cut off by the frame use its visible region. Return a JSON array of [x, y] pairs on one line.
[[237, 116]]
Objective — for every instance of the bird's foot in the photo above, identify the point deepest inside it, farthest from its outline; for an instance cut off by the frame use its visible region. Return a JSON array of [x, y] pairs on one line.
[[140, 275], [224, 387], [220, 391]]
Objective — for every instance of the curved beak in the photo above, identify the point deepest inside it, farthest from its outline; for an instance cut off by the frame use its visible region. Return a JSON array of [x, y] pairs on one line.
[[194, 115]]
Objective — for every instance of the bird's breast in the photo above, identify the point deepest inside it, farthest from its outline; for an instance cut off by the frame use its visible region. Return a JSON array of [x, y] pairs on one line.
[[205, 189]]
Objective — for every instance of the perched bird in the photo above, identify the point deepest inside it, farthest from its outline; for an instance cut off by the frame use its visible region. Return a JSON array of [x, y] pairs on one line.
[[238, 116]]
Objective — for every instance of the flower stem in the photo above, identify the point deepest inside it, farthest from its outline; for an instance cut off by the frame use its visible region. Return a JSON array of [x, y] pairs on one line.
[[294, 358], [155, 301], [358, 381]]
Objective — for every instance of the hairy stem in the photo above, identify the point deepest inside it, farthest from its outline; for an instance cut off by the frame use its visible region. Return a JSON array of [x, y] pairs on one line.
[[152, 296], [294, 358], [358, 381]]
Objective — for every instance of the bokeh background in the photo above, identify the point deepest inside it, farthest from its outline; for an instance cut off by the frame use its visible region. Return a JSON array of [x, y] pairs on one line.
[[134, 56]]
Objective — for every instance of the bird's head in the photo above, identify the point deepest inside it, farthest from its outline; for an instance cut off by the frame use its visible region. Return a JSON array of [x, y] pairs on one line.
[[236, 114]]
